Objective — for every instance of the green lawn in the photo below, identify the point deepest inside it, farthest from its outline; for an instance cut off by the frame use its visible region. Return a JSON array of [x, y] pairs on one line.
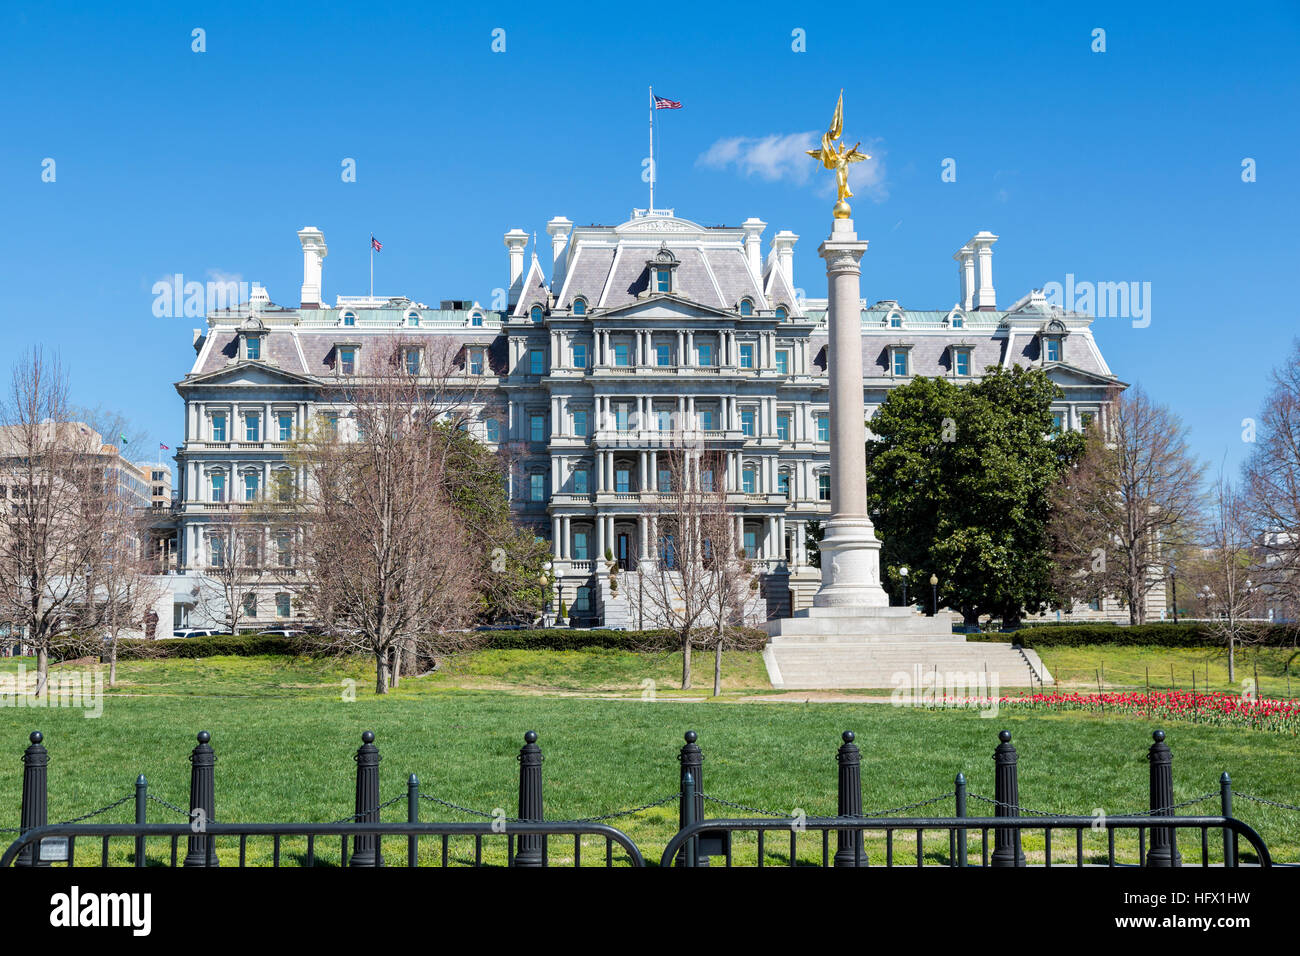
[[285, 736], [1120, 667]]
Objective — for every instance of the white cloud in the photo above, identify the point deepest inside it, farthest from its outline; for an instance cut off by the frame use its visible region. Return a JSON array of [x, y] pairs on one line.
[[782, 157]]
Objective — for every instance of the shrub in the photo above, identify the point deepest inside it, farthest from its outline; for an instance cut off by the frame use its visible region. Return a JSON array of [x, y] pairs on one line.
[[1155, 634]]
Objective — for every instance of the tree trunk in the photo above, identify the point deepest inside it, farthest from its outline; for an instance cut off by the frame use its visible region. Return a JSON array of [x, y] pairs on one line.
[[112, 662], [381, 671], [717, 668], [1232, 659], [397, 665], [42, 668], [686, 662]]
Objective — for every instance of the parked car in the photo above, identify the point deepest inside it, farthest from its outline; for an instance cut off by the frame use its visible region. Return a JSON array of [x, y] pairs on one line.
[[194, 632], [282, 632]]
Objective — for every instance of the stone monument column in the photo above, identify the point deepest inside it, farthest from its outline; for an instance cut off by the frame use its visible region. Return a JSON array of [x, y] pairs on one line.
[[850, 550]]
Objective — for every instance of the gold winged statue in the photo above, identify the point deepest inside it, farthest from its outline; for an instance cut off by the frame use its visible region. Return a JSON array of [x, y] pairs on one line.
[[839, 159]]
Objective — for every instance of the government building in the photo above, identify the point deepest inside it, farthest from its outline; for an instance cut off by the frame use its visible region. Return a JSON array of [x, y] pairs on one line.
[[594, 362]]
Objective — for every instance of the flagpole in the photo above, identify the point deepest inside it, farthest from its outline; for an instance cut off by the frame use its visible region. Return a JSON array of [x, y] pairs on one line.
[[372, 265], [652, 151]]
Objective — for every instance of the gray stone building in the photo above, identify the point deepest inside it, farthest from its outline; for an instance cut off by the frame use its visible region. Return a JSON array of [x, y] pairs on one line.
[[591, 367]]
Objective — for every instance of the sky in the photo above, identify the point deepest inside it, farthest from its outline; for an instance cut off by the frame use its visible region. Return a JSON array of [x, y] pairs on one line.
[[1109, 157]]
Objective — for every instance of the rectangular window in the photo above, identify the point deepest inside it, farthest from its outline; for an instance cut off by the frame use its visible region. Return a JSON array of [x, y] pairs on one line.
[[536, 362], [748, 481], [751, 543], [663, 280], [706, 419], [282, 606], [286, 426], [622, 481], [663, 355], [254, 346], [783, 426], [747, 421], [823, 428], [1053, 350], [963, 362], [621, 415], [579, 355], [1058, 422], [218, 487], [476, 362], [665, 480], [580, 546], [580, 483], [284, 549], [250, 487], [1086, 419], [216, 552], [250, 604], [347, 361], [622, 354], [332, 422], [783, 361], [664, 420], [537, 486], [823, 487], [252, 427], [706, 479], [704, 354], [537, 427], [747, 356], [900, 361], [783, 483], [580, 423], [218, 427]]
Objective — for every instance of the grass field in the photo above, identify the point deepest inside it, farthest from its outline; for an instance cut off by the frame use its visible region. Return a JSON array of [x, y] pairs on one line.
[[285, 738]]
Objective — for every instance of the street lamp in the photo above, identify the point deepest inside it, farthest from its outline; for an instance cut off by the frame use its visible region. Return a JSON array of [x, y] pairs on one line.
[[903, 574], [934, 594], [1173, 581]]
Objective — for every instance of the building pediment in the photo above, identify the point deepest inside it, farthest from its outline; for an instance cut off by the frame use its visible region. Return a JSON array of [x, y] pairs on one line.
[[664, 306], [249, 373], [1064, 374]]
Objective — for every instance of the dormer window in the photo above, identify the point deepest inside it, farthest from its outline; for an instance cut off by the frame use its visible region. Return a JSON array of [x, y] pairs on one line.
[[900, 361], [580, 306], [1051, 348], [661, 270], [746, 307], [536, 314], [961, 361], [346, 363], [413, 319], [349, 319], [253, 348], [958, 322], [412, 361], [782, 313], [476, 319], [895, 320]]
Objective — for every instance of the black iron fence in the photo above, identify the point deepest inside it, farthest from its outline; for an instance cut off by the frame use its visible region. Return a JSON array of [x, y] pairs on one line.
[[888, 837]]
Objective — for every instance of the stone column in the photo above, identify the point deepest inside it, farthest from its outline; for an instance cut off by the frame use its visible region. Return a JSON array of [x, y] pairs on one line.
[[850, 550]]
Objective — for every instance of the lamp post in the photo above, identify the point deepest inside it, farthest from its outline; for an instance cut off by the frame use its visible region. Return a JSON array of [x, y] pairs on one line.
[[903, 574], [934, 594], [1173, 582]]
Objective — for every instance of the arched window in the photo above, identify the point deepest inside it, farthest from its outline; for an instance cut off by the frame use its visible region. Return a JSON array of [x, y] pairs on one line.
[[349, 318], [782, 313], [746, 307], [476, 319], [536, 313], [580, 306], [413, 319]]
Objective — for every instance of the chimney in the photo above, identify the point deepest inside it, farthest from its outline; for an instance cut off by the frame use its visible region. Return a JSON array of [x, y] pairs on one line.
[[783, 245], [559, 228], [753, 229], [965, 257], [314, 252], [985, 299], [515, 241]]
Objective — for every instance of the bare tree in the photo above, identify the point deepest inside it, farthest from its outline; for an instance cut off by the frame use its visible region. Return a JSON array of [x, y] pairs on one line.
[[237, 566], [394, 567], [1227, 587], [125, 588], [54, 472], [1135, 485]]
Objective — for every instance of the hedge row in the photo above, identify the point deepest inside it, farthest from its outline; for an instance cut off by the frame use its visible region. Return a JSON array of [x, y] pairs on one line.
[[247, 645], [1156, 634]]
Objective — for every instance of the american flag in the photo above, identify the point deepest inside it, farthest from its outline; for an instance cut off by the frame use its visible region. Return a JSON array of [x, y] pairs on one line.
[[663, 103], [162, 447], [375, 244]]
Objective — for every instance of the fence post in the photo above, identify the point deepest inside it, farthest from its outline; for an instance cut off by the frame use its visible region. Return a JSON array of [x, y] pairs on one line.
[[688, 790], [141, 815], [692, 760], [35, 808], [365, 847], [849, 845], [959, 785], [1006, 795], [412, 816], [1229, 837], [1164, 844], [530, 800], [203, 799]]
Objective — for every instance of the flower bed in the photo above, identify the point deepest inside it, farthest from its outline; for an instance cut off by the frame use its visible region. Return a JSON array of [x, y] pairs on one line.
[[1217, 708]]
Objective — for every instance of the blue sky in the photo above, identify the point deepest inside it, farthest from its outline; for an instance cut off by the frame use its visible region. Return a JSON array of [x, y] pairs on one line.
[[1115, 166]]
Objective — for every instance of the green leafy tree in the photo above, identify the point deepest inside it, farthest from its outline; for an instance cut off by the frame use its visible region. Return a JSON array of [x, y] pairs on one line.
[[959, 481]]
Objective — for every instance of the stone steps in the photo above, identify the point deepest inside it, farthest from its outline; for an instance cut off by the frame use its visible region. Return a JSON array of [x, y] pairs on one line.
[[811, 664]]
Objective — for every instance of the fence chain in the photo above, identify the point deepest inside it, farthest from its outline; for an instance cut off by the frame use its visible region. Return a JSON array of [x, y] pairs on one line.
[[170, 806], [356, 817], [1137, 813], [909, 806], [454, 806], [627, 813], [741, 806], [1270, 803]]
